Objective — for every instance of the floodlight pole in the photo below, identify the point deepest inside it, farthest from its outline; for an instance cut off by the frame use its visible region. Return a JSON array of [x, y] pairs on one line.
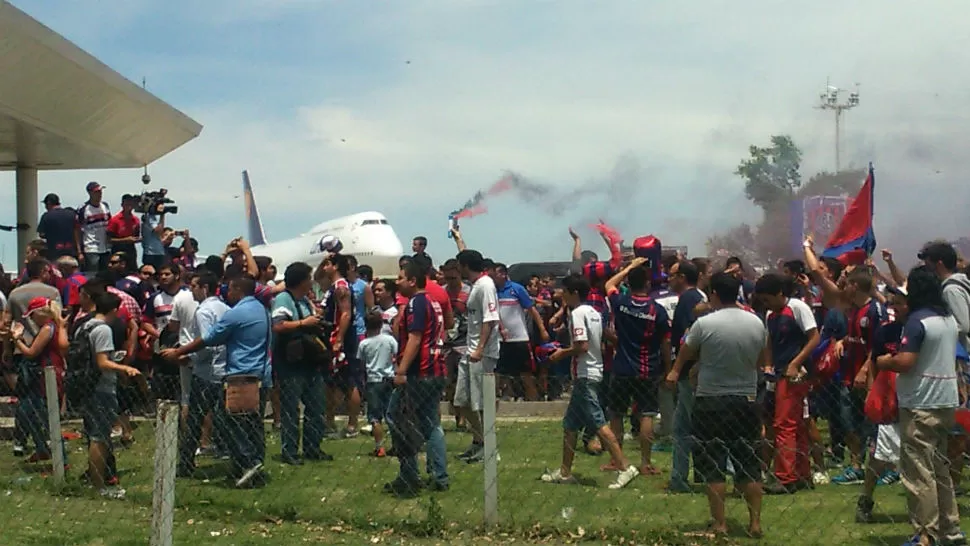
[[830, 100]]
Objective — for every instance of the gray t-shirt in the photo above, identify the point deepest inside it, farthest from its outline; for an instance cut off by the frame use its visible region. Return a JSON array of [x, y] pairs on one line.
[[102, 341], [19, 300], [729, 342], [932, 382], [956, 293]]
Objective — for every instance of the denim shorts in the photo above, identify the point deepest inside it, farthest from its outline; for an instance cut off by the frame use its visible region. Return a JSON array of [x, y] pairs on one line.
[[584, 410], [378, 397], [100, 413]]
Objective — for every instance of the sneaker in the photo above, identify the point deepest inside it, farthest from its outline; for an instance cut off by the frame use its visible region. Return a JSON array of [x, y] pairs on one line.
[[206, 452], [379, 452], [863, 510], [350, 433], [38, 457], [402, 489], [19, 451], [556, 476], [888, 477], [114, 493], [628, 436], [958, 539], [849, 476], [820, 478], [625, 477], [472, 451], [248, 475]]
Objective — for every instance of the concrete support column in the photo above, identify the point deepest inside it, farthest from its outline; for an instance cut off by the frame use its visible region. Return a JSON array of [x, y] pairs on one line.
[[27, 207]]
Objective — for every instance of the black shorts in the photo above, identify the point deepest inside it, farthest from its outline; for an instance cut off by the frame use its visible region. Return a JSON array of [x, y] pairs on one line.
[[349, 377], [645, 393], [726, 426], [515, 358]]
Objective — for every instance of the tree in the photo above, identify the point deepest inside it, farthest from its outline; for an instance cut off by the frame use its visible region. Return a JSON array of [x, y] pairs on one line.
[[738, 241], [826, 183], [771, 174]]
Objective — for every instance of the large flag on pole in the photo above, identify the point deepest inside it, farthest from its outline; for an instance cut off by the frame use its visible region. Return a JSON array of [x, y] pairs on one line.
[[854, 240]]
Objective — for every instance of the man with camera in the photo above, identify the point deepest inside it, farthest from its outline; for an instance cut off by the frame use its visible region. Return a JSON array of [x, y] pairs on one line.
[[153, 230], [299, 360]]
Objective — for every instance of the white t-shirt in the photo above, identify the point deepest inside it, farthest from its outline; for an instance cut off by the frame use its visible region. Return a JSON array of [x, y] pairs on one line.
[[388, 315], [482, 307], [183, 312], [586, 324], [94, 227]]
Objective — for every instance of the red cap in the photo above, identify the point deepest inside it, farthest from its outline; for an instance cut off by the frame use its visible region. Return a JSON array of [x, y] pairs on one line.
[[35, 304]]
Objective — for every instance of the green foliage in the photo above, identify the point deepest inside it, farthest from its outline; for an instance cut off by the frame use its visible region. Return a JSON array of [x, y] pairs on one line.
[[826, 183], [771, 173], [738, 241]]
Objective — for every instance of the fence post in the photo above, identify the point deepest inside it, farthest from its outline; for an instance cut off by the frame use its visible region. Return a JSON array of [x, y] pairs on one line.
[[166, 459], [491, 449], [54, 423]]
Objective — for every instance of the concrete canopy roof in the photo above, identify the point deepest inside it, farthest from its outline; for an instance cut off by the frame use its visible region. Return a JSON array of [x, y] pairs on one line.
[[61, 108]]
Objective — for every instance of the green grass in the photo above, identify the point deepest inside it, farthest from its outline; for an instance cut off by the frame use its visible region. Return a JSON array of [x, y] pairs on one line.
[[342, 503]]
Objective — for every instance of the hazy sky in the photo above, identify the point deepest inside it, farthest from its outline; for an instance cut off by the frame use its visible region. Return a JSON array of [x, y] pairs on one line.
[[409, 107]]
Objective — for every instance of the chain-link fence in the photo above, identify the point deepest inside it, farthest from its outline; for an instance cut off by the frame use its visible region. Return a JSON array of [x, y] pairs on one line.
[[405, 467]]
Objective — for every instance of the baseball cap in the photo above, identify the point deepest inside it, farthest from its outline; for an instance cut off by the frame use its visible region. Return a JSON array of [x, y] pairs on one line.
[[36, 304], [51, 199], [93, 186], [897, 290]]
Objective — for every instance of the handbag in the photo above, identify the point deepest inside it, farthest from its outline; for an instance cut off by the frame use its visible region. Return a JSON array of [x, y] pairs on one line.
[[242, 392], [308, 348]]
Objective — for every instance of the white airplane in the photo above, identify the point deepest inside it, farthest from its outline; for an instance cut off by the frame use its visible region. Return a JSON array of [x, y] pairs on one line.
[[366, 235]]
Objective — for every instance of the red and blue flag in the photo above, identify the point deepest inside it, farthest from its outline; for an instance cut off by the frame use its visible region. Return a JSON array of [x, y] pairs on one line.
[[854, 240]]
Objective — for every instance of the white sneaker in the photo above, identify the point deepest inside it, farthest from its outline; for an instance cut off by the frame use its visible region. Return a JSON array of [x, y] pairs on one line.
[[114, 493], [625, 477], [249, 475], [628, 436], [556, 476], [820, 478]]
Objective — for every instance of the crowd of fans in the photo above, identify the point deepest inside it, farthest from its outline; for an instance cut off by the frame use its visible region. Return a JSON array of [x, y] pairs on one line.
[[731, 373]]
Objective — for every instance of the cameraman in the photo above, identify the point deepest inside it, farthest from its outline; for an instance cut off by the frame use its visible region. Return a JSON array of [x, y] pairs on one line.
[[152, 229]]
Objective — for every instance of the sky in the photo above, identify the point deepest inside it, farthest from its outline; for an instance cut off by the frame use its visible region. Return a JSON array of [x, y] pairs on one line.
[[410, 107]]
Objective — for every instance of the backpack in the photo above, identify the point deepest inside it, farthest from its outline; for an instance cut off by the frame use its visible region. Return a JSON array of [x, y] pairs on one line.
[[82, 373]]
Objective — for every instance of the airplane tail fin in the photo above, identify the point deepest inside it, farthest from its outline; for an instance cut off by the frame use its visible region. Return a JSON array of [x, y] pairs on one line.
[[254, 227]]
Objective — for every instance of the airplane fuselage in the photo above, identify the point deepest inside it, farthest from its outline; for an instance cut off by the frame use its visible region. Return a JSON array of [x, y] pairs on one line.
[[367, 236]]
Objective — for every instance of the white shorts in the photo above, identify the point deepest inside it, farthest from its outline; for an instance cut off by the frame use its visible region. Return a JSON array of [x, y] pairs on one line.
[[469, 392], [887, 444]]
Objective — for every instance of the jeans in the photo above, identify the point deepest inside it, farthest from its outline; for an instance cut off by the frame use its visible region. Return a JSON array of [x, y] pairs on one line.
[[204, 396], [31, 420], [425, 397], [246, 438], [306, 387], [683, 434]]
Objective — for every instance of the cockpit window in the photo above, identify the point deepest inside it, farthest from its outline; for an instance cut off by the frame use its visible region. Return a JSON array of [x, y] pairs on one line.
[[374, 222]]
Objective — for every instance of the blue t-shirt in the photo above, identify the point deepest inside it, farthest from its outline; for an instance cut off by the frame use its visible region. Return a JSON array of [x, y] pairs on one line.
[[683, 319], [151, 243], [359, 287], [641, 325]]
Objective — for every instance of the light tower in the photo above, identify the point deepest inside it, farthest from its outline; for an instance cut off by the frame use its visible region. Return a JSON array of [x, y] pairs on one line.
[[831, 100]]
